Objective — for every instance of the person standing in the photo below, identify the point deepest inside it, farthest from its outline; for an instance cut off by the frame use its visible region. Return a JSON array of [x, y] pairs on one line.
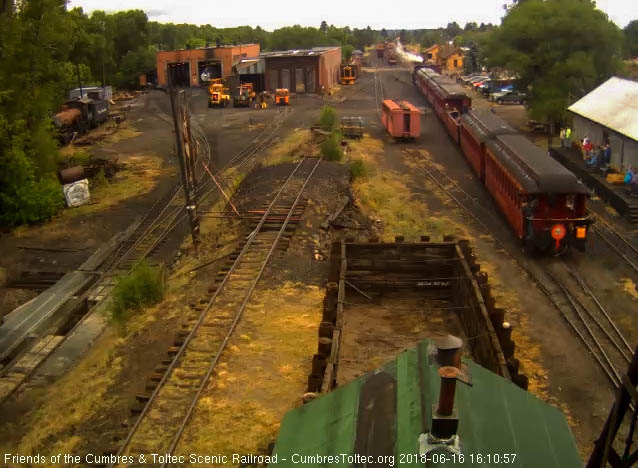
[[607, 154], [562, 137]]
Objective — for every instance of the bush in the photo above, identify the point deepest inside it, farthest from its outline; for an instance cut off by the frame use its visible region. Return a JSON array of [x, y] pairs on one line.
[[358, 169], [100, 180], [142, 287], [331, 148], [79, 158], [328, 118]]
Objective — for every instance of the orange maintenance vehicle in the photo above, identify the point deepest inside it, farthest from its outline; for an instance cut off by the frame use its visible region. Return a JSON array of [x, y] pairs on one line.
[[282, 97]]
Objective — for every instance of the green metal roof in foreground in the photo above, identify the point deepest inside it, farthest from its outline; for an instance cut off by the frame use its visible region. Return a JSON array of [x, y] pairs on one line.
[[383, 413]]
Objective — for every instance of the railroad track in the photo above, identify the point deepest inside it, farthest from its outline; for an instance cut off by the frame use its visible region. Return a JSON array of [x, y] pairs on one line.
[[378, 90], [169, 211], [587, 317], [562, 285], [616, 241], [167, 409]]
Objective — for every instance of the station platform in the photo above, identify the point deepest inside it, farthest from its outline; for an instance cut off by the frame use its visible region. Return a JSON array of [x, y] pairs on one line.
[[616, 195]]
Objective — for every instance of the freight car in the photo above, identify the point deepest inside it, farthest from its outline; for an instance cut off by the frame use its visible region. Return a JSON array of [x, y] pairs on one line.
[[401, 119], [543, 202]]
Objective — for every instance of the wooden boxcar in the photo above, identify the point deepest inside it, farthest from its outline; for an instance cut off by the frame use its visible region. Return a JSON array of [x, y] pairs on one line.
[[543, 202], [402, 119]]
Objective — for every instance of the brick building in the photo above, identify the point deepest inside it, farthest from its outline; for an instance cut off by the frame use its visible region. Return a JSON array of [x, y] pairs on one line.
[[185, 67], [302, 71]]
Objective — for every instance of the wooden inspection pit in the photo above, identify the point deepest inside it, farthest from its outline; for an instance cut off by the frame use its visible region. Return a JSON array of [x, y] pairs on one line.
[[384, 298]]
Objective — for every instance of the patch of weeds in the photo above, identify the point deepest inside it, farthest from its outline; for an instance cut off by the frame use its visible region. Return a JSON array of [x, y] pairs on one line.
[[358, 169], [100, 180], [142, 287], [328, 118], [331, 147]]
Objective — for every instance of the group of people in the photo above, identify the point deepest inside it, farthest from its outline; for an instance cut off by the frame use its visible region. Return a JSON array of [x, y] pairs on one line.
[[596, 156], [566, 137]]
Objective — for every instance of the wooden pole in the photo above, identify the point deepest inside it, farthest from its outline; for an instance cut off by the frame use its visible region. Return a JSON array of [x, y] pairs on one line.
[[191, 208]]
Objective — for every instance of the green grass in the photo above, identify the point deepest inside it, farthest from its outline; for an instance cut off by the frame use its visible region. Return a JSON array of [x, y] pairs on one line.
[[331, 148], [328, 118], [143, 286], [358, 169]]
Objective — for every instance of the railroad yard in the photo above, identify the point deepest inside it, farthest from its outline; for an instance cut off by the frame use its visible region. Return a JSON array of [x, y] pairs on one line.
[[305, 276]]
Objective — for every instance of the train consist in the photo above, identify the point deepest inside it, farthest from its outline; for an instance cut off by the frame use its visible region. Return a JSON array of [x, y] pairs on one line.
[[543, 202]]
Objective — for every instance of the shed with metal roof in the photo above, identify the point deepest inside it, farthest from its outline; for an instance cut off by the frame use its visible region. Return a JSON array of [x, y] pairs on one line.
[[609, 114], [386, 418]]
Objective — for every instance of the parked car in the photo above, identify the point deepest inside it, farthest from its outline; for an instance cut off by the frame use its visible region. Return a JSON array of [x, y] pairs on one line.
[[494, 86], [512, 97], [464, 78], [500, 92], [477, 79]]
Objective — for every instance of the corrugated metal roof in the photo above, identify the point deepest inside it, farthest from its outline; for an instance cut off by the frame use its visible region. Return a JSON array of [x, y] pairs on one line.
[[613, 104], [298, 53], [384, 412]]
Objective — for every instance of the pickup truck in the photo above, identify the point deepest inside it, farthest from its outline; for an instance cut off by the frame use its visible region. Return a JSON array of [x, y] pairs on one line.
[[511, 97]]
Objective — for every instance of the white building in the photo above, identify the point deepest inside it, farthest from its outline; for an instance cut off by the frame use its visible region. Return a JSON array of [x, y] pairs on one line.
[[610, 114]]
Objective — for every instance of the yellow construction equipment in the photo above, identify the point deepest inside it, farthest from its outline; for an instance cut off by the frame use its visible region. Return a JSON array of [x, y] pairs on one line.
[[218, 95], [349, 73]]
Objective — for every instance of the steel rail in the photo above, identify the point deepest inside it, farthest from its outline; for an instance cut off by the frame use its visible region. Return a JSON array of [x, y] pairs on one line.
[[611, 244], [587, 291], [183, 347], [214, 362], [610, 368]]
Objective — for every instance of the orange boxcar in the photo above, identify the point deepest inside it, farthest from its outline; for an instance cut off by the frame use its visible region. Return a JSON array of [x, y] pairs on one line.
[[402, 119]]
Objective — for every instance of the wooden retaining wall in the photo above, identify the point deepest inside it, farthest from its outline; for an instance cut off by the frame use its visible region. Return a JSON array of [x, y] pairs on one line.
[[455, 274]]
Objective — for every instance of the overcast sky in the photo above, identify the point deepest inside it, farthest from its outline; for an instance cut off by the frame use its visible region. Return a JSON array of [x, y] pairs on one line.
[[354, 13]]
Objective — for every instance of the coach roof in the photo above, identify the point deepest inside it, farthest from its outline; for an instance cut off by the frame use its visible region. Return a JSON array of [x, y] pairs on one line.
[[536, 171]]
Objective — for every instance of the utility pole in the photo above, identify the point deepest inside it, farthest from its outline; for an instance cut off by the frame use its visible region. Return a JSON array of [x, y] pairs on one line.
[[77, 69], [184, 167]]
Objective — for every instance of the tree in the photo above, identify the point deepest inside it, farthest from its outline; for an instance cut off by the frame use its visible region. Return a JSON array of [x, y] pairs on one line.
[[630, 40], [35, 43], [453, 30], [324, 27], [471, 26], [560, 49], [346, 52], [403, 36], [384, 33]]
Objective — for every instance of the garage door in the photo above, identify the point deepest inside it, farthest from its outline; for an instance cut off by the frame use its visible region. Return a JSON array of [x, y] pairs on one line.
[[285, 78], [300, 85], [310, 80], [274, 80]]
